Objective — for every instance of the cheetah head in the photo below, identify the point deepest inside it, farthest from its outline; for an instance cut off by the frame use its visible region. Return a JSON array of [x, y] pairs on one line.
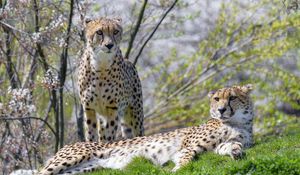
[[227, 104], [104, 35]]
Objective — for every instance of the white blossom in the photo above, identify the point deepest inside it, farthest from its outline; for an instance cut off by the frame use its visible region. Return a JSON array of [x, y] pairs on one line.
[[61, 42], [50, 79], [36, 37], [20, 104]]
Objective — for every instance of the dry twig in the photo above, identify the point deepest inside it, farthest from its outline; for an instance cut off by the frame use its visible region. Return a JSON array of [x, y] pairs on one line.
[[153, 32]]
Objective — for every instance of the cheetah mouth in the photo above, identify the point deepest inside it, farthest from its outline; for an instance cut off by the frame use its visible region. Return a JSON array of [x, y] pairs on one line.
[[226, 117], [104, 50]]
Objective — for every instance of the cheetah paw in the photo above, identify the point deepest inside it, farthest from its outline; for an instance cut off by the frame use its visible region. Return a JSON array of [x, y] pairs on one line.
[[236, 152]]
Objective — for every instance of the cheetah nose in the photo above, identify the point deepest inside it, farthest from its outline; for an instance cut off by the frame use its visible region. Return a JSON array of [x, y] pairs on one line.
[[222, 110], [109, 46]]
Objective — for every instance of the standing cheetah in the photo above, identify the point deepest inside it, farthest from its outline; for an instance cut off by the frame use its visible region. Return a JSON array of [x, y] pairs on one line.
[[109, 86], [227, 133]]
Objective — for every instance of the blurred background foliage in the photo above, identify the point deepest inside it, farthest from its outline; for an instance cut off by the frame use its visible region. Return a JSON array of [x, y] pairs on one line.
[[263, 52], [199, 46]]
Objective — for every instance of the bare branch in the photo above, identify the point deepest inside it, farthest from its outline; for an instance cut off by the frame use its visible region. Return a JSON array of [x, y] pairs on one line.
[[13, 28], [79, 117], [37, 136], [153, 32], [24, 118], [28, 79], [136, 28], [46, 67], [12, 74], [62, 75]]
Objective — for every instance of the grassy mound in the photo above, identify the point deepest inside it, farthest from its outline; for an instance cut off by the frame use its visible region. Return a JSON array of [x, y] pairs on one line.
[[270, 155]]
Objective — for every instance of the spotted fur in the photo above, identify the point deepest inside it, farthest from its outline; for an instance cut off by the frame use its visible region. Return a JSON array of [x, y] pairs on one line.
[[227, 133], [109, 86]]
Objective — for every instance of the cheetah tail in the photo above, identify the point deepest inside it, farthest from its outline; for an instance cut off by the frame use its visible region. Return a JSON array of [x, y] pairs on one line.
[[65, 164]]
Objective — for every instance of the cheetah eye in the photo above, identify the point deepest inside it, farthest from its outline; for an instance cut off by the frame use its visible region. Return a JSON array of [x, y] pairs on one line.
[[99, 32], [216, 98], [116, 32], [232, 98]]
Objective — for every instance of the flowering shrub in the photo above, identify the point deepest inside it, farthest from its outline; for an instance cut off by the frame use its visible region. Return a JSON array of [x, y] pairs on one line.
[[50, 80], [20, 104], [19, 147]]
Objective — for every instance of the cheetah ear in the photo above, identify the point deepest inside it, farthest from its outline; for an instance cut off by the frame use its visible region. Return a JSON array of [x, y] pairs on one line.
[[117, 19], [247, 88], [211, 93]]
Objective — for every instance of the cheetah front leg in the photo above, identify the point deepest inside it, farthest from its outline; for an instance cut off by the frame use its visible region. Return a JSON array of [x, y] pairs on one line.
[[91, 125], [109, 125], [182, 158], [233, 149], [185, 155], [132, 123]]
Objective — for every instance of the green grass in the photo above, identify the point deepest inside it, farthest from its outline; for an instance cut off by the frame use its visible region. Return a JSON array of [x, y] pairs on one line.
[[270, 155]]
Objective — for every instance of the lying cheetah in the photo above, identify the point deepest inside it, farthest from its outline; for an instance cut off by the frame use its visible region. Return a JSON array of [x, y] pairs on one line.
[[109, 86], [227, 133]]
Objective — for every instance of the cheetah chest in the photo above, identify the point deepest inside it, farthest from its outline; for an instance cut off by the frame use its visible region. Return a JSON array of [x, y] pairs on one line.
[[103, 94]]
